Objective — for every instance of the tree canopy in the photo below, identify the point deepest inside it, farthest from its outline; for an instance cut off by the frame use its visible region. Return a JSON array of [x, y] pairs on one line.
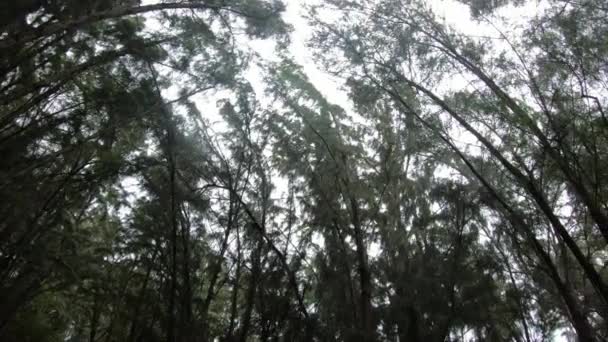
[[160, 180]]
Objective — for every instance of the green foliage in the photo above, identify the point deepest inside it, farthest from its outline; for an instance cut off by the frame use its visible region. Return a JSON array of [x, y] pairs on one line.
[[459, 195]]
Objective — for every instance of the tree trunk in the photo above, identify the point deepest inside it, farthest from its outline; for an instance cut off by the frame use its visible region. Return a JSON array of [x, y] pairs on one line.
[[251, 291], [366, 324]]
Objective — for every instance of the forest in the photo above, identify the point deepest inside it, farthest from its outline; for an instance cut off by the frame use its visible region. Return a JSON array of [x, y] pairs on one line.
[[177, 171]]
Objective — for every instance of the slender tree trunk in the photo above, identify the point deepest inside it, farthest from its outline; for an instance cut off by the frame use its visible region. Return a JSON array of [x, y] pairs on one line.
[[235, 288], [94, 318], [251, 291], [170, 155], [366, 324], [173, 276], [138, 304], [520, 304], [185, 333], [217, 268], [346, 269]]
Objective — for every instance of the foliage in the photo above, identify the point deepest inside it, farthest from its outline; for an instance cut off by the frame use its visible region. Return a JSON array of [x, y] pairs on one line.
[[459, 195]]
